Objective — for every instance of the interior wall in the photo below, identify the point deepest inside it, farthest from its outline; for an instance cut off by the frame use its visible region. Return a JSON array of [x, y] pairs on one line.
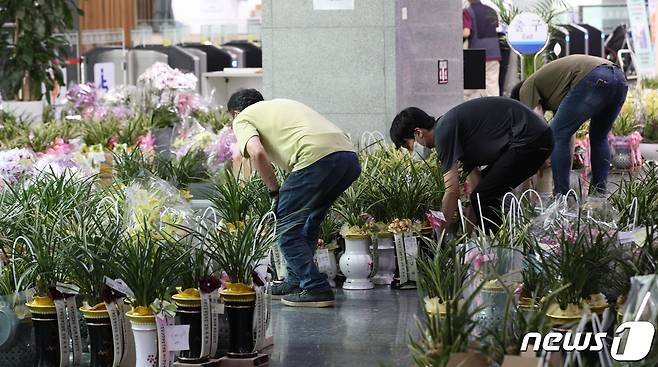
[[108, 14], [358, 67]]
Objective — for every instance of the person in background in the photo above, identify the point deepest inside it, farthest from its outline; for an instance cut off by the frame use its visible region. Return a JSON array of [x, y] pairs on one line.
[[480, 23], [503, 134], [323, 164], [577, 88]]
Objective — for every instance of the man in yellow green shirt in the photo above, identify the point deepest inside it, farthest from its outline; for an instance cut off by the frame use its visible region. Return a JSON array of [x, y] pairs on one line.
[[322, 163]]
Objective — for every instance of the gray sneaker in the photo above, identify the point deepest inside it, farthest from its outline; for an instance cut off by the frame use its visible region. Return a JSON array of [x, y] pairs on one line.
[[308, 298], [281, 289]]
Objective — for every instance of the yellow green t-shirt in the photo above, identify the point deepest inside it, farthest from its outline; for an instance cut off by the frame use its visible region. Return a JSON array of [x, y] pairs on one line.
[[293, 135]]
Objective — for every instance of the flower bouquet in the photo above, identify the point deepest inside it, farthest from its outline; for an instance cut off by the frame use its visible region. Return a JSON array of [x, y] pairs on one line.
[[153, 202]]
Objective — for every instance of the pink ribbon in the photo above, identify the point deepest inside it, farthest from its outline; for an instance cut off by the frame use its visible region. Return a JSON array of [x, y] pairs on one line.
[[634, 141]]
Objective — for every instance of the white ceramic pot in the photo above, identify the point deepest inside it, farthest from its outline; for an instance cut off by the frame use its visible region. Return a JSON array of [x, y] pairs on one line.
[[32, 110], [146, 340], [649, 151], [356, 263], [386, 260]]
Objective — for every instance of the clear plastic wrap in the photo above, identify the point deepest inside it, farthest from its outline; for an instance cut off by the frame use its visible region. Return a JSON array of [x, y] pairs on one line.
[[153, 202]]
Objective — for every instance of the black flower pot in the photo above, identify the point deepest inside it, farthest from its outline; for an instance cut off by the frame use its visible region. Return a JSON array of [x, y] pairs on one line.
[[189, 313], [46, 333], [101, 346], [240, 303]]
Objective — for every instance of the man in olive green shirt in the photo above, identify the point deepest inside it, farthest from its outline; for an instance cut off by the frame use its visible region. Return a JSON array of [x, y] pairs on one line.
[[323, 164], [577, 88]]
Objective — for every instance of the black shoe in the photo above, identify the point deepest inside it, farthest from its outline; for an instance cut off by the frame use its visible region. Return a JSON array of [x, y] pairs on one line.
[[307, 298], [284, 288]]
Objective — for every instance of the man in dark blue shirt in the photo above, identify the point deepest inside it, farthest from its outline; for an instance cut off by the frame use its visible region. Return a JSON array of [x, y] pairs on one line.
[[497, 132]]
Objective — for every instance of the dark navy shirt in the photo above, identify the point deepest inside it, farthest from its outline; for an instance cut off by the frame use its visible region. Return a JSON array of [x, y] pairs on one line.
[[479, 131]]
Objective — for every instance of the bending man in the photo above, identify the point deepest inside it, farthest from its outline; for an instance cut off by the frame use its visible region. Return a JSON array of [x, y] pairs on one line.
[[322, 163], [500, 133], [577, 88]]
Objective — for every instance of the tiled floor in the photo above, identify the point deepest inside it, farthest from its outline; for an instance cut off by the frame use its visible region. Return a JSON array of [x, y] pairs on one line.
[[367, 328]]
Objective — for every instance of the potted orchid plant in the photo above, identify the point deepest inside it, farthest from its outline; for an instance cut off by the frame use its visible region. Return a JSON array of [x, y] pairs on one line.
[[150, 264], [97, 233], [237, 249], [356, 263]]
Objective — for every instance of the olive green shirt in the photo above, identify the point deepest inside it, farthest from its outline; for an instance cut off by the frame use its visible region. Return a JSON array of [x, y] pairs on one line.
[[550, 84], [293, 135]]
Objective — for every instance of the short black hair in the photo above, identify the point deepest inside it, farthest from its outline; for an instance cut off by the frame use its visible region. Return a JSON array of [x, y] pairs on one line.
[[243, 98], [406, 121], [516, 91]]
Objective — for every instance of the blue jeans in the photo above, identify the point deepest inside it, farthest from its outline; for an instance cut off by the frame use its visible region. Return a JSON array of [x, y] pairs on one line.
[[304, 200], [598, 97]]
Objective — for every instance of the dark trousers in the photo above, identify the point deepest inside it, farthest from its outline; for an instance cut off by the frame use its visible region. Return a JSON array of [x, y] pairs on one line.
[[510, 170], [304, 200], [598, 98]]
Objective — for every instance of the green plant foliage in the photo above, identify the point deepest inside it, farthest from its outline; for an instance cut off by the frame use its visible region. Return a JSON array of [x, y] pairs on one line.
[[137, 126], [397, 186], [583, 261], [97, 233], [36, 51], [128, 165], [444, 274], [150, 264], [236, 249], [182, 171], [100, 132], [213, 118], [232, 202], [442, 336]]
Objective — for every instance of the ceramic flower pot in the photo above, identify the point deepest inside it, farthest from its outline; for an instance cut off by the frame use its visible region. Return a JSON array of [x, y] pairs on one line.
[[386, 260], [188, 312], [494, 295], [101, 347], [560, 317], [356, 263], [597, 302], [240, 302], [621, 158], [16, 344], [142, 322], [46, 333]]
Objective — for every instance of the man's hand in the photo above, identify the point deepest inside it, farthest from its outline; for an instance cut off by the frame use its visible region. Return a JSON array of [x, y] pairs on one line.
[[449, 205]]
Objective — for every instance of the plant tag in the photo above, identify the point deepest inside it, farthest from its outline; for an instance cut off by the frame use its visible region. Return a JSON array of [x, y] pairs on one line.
[[411, 253], [117, 335], [63, 329], [322, 260], [67, 288], [401, 258], [120, 286], [177, 337], [218, 308], [206, 324], [74, 328], [637, 236], [411, 245]]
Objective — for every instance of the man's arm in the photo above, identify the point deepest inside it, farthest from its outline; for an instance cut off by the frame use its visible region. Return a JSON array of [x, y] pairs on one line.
[[467, 24], [449, 204], [261, 161]]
